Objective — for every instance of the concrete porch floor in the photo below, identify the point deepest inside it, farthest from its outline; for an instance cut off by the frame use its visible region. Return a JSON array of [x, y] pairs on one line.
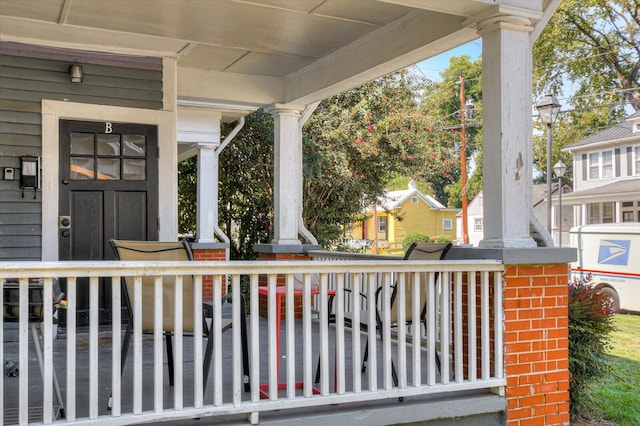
[[478, 407]]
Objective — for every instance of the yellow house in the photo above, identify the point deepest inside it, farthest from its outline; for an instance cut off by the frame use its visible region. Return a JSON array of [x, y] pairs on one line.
[[401, 213]]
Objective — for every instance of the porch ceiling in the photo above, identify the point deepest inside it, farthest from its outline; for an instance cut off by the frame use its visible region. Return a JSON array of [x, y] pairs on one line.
[[254, 52]]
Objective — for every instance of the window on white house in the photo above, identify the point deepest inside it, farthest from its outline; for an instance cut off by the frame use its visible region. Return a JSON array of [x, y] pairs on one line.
[[594, 166], [636, 160], [382, 224], [594, 213], [607, 213], [477, 224], [607, 164], [628, 216], [447, 224], [414, 200]]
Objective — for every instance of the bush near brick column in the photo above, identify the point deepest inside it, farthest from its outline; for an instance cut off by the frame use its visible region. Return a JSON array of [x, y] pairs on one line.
[[590, 326]]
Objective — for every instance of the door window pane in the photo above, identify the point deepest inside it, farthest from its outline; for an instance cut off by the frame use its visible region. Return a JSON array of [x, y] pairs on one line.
[[81, 143], [108, 144], [134, 145], [108, 169], [81, 168], [134, 169]]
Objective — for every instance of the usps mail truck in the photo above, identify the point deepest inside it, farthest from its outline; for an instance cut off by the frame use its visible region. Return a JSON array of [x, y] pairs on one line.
[[611, 254]]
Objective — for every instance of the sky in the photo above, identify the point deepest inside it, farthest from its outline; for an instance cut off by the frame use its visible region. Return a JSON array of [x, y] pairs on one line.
[[432, 67]]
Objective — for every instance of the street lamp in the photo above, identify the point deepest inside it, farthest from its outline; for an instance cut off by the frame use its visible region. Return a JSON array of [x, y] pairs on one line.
[[559, 168], [548, 108]]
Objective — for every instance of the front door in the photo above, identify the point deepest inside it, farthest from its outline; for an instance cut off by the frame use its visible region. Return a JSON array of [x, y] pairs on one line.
[[108, 189]]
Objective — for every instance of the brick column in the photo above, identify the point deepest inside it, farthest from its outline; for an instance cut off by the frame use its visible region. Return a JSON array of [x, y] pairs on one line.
[[536, 338], [214, 254]]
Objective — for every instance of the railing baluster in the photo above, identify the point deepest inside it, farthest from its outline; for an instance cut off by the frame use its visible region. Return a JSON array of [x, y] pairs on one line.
[[473, 335], [23, 357], [484, 327], [255, 338], [178, 353], [497, 320], [274, 337], [307, 336], [458, 350], [426, 288], [158, 319], [94, 293], [290, 338], [432, 316], [356, 360], [47, 347], [70, 406], [324, 335], [197, 342], [400, 302], [116, 346], [217, 340], [372, 364], [340, 343], [137, 345], [236, 329], [445, 331]]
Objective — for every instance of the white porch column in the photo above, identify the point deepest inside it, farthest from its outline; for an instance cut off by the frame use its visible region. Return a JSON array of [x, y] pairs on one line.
[[207, 193], [287, 202], [202, 127], [507, 129]]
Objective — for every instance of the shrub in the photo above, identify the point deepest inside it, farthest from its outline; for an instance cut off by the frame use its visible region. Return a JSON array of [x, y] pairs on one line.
[[441, 239], [415, 237], [590, 325]]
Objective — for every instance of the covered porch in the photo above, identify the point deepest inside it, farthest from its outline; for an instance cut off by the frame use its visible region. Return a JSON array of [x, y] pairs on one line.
[[497, 318]]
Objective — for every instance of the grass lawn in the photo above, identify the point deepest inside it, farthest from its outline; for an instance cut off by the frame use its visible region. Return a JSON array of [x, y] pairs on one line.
[[617, 399]]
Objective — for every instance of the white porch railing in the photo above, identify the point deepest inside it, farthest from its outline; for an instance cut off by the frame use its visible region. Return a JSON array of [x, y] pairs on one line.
[[463, 302]]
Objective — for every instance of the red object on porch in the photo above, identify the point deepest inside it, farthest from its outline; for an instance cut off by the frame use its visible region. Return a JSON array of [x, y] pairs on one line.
[[264, 306], [281, 293]]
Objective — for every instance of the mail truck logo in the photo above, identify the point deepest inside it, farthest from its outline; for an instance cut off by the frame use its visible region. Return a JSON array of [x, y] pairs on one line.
[[614, 252]]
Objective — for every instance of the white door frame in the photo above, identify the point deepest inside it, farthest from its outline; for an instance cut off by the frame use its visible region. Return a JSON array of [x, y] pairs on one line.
[[54, 111]]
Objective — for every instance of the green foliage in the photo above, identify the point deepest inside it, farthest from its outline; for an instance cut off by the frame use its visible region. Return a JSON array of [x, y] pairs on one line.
[[439, 239], [593, 48], [590, 326], [246, 185], [356, 142], [415, 237], [616, 397], [187, 202]]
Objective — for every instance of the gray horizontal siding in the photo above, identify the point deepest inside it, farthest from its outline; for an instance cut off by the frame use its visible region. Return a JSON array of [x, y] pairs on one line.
[[24, 83]]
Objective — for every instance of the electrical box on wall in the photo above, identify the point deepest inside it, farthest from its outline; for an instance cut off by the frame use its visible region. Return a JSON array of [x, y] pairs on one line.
[[9, 173]]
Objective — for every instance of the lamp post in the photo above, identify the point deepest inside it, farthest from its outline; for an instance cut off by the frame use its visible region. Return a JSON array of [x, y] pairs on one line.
[[548, 108], [559, 168]]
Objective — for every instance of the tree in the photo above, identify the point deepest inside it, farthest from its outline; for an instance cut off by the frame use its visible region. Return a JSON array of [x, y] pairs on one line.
[[591, 47], [596, 45], [357, 142]]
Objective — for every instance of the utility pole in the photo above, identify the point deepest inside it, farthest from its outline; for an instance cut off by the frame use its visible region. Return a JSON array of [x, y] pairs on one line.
[[463, 161]]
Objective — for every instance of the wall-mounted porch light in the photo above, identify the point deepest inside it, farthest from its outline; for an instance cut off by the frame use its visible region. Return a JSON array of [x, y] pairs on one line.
[[75, 71]]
